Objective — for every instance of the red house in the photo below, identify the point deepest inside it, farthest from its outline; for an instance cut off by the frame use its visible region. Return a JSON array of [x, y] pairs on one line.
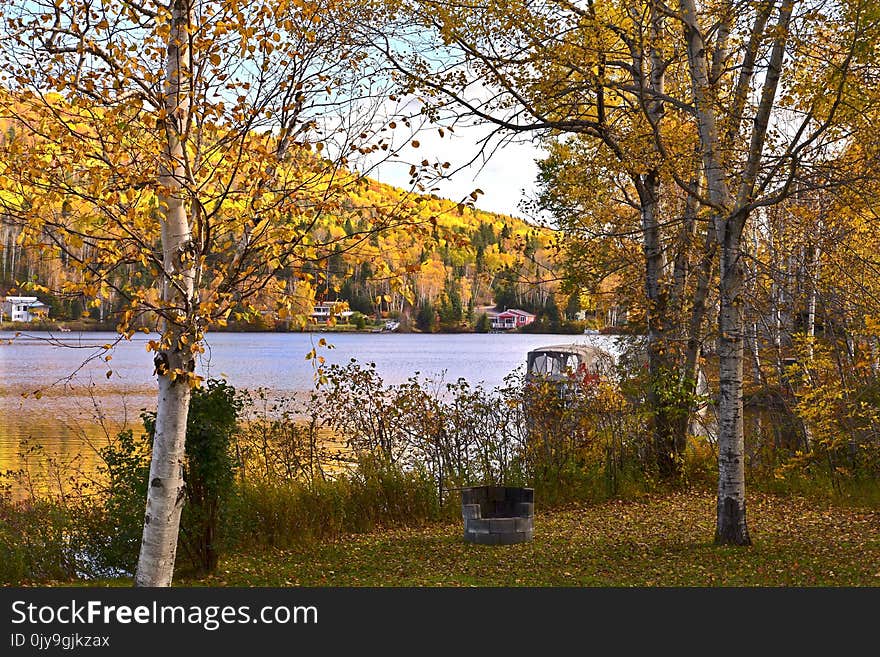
[[512, 318]]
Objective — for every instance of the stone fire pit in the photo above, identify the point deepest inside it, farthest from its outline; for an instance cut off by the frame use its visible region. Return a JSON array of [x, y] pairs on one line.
[[498, 515]]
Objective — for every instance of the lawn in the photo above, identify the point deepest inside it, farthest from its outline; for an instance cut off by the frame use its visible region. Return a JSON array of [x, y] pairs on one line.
[[660, 541]]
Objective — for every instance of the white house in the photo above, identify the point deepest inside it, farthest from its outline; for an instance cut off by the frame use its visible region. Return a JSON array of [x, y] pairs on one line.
[[324, 310], [23, 309]]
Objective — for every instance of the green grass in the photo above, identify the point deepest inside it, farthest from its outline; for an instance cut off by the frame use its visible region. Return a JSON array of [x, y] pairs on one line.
[[663, 541]]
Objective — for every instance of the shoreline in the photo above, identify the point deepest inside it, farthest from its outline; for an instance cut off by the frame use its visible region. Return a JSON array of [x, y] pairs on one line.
[[78, 327]]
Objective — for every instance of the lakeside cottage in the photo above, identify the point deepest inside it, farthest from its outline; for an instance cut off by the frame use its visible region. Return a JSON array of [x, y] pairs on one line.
[[22, 309], [322, 311], [512, 318]]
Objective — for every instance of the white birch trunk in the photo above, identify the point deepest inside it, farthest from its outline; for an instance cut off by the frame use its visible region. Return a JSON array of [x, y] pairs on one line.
[[12, 263], [813, 273], [698, 318], [776, 290], [754, 339], [655, 295], [5, 250], [656, 287], [813, 276], [731, 525], [165, 492]]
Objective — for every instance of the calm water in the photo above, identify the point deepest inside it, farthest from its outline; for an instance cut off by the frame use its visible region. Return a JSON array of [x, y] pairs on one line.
[[76, 394]]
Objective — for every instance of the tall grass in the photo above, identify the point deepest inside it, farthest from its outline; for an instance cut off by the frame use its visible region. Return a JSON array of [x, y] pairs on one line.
[[281, 513]]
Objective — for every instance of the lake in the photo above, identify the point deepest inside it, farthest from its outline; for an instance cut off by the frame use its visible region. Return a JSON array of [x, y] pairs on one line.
[[76, 395]]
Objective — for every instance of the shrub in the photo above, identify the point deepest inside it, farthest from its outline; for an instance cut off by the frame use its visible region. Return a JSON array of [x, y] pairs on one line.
[[209, 470], [208, 475], [36, 542], [126, 463], [359, 320]]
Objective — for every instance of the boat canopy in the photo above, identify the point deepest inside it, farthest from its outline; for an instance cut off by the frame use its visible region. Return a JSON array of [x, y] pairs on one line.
[[561, 361]]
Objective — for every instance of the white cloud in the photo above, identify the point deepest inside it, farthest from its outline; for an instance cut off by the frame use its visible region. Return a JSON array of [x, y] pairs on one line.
[[504, 174]]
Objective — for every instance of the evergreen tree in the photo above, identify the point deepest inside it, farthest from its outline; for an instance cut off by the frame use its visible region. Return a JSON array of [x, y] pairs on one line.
[[425, 317], [484, 324], [573, 307]]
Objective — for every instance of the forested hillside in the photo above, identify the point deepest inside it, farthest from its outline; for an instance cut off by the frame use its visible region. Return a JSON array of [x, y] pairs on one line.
[[385, 251]]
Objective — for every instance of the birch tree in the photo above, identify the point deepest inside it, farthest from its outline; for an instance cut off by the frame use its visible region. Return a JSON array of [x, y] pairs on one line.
[[762, 125], [187, 155]]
